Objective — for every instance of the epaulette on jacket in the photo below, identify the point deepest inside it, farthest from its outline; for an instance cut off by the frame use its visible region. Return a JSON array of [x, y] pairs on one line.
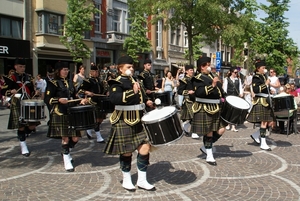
[[183, 80], [198, 77], [114, 81], [54, 82], [8, 77], [87, 80]]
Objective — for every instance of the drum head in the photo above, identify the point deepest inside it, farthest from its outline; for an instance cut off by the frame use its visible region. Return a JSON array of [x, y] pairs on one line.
[[158, 114], [32, 102], [238, 102]]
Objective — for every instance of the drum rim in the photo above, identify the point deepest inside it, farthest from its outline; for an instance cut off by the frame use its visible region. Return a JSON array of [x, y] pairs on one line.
[[161, 119], [241, 99]]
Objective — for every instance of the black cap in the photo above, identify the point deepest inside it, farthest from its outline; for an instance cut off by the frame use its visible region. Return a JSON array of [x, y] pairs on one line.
[[259, 64], [20, 61], [188, 67], [125, 60], [94, 68], [147, 61], [50, 69], [61, 64], [203, 60]]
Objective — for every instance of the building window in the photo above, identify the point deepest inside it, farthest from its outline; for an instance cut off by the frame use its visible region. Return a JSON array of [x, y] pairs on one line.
[[97, 19], [11, 27], [116, 21], [178, 35], [50, 23]]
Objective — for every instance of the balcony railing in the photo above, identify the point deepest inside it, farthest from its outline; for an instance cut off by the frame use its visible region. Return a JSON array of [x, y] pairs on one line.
[[176, 48], [115, 37]]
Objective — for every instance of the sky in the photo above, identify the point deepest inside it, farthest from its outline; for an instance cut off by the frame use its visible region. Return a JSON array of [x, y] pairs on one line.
[[293, 16]]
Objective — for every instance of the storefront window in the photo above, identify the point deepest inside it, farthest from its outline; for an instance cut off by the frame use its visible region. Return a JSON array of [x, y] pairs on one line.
[[11, 27]]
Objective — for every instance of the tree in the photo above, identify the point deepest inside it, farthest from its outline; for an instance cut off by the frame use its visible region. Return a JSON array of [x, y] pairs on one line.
[[78, 15], [271, 36], [137, 42]]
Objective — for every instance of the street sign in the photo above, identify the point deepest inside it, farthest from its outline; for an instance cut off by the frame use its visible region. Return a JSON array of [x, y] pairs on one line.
[[218, 61]]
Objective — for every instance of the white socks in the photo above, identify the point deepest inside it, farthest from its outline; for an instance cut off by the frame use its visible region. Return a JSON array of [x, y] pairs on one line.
[[142, 181], [127, 183]]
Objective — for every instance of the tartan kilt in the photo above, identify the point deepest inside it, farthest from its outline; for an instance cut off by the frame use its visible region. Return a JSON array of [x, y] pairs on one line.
[[203, 122], [14, 121], [186, 111], [59, 127], [260, 113], [124, 138]]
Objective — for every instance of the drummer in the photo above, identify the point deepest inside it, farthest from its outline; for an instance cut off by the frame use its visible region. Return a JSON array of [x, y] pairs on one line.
[[94, 88], [127, 133], [58, 93], [261, 111], [186, 89], [146, 77], [206, 108], [19, 86]]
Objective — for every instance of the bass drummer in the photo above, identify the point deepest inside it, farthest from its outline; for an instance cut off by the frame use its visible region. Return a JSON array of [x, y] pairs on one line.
[[127, 133], [19, 86], [207, 107], [232, 85], [261, 111], [59, 92], [94, 88]]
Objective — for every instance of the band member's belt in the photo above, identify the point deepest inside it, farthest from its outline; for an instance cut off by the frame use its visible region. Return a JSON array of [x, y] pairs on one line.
[[130, 107], [205, 100]]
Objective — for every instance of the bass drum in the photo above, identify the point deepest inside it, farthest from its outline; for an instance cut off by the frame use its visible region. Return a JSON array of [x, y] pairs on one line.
[[162, 126], [235, 110]]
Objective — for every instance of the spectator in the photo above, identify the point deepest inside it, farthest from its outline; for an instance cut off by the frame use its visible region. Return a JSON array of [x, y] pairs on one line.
[[40, 86]]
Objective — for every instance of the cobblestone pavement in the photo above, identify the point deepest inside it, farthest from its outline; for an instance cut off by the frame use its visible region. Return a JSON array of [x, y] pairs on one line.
[[178, 170]]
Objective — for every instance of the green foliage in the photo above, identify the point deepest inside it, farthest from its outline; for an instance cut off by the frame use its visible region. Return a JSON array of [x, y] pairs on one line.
[[77, 22], [196, 48], [271, 36], [137, 42]]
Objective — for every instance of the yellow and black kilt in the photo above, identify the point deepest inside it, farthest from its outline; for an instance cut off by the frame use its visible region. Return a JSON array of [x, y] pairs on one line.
[[124, 138], [14, 121], [203, 122], [59, 127], [186, 112], [261, 111]]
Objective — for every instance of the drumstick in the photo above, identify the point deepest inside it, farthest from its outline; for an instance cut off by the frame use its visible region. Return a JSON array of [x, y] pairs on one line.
[[99, 95], [74, 100]]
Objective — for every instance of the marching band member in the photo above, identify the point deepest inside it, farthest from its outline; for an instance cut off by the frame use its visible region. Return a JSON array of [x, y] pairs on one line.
[[92, 87], [261, 111], [206, 108], [19, 86], [127, 133], [146, 77], [58, 93], [186, 89]]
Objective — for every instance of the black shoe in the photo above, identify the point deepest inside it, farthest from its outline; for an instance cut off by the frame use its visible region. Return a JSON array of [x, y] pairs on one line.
[[70, 170], [152, 189], [212, 163], [269, 149], [102, 142], [88, 136], [26, 155]]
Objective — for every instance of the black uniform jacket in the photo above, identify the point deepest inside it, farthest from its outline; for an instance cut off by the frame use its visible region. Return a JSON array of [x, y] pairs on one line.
[[147, 79], [93, 84], [258, 83], [60, 88], [203, 88], [185, 86]]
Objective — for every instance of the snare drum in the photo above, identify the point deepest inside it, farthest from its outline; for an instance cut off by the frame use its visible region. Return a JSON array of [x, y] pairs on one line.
[[32, 110], [283, 103], [235, 110], [162, 126], [82, 117], [105, 104], [164, 98]]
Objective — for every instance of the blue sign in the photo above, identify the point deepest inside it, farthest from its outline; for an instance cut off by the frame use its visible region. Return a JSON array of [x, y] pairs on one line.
[[218, 61]]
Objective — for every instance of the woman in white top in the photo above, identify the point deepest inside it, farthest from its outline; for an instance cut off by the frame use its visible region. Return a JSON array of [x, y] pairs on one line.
[[232, 85], [168, 85], [274, 82]]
